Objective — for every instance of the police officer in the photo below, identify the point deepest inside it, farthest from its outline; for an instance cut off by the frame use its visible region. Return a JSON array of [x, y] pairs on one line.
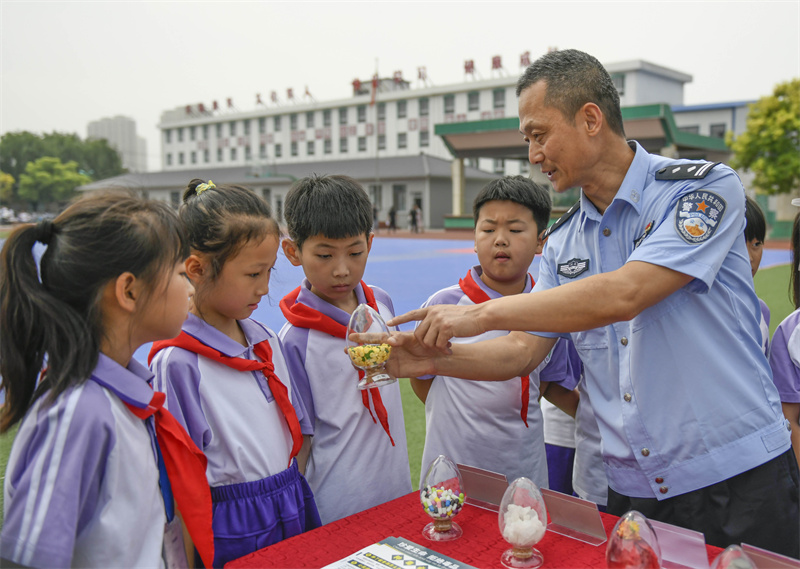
[[650, 277]]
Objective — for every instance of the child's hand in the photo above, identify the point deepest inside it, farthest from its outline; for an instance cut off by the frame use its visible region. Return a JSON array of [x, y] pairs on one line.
[[440, 323]]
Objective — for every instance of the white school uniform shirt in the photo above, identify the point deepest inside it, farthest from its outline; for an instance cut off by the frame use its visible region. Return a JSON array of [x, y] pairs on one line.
[[81, 487], [231, 415], [352, 465], [478, 423]]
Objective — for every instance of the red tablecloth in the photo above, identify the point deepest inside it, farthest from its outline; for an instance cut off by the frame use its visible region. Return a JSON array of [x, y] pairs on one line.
[[480, 546]]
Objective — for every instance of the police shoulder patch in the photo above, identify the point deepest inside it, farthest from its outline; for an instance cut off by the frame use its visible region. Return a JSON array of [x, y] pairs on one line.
[[573, 268], [698, 216], [690, 171]]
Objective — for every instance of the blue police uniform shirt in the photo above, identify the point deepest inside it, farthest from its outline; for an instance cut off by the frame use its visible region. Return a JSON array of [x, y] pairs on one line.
[[683, 394]]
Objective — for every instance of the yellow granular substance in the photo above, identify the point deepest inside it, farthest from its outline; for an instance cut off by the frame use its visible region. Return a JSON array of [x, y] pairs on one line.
[[369, 355]]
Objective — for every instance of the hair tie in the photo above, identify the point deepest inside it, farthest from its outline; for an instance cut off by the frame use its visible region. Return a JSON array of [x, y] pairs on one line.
[[43, 231], [203, 187]]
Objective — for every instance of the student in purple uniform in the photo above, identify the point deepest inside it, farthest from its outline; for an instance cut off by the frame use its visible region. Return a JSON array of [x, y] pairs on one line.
[[754, 234], [226, 379], [358, 455], [82, 484], [784, 352]]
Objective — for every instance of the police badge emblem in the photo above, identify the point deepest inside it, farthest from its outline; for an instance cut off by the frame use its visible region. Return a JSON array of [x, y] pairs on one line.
[[573, 268], [698, 216]]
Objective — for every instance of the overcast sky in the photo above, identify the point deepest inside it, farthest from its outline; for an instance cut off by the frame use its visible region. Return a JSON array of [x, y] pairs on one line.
[[64, 64]]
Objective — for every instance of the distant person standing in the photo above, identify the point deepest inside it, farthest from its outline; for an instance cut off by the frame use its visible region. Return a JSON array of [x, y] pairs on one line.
[[375, 223], [393, 218], [420, 224], [412, 219]]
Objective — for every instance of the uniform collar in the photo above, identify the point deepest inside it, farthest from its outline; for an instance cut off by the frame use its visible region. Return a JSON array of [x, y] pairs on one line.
[[131, 384], [213, 338], [313, 301], [477, 271]]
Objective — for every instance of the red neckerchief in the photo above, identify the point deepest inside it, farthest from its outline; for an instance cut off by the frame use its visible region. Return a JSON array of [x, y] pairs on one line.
[[477, 295], [186, 469], [264, 351], [303, 316]]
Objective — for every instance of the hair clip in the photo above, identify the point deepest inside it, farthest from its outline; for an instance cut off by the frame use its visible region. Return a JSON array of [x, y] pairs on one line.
[[203, 187]]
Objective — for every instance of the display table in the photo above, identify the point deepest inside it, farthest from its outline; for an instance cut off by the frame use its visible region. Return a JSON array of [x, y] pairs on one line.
[[480, 546]]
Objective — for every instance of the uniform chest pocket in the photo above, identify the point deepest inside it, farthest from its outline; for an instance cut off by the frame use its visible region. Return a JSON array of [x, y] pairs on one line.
[[595, 339]]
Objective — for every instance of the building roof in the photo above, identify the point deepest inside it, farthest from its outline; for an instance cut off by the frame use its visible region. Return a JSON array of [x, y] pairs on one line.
[[390, 168]]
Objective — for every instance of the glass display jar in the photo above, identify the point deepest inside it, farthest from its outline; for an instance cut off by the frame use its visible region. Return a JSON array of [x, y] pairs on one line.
[[523, 523], [442, 497], [369, 358]]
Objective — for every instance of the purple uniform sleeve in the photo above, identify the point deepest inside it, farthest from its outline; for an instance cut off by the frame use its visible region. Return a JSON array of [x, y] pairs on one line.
[[54, 479], [177, 374], [560, 369], [294, 342], [784, 357], [306, 426]]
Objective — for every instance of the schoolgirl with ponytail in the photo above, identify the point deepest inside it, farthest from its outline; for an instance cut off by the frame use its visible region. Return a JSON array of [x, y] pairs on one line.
[[86, 484]]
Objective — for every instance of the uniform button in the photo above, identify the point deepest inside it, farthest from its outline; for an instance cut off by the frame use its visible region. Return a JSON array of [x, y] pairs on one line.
[[606, 232], [627, 397], [659, 480], [624, 341], [645, 452], [663, 489]]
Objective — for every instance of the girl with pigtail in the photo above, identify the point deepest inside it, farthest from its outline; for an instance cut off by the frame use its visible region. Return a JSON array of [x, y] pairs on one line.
[[226, 377], [88, 477]]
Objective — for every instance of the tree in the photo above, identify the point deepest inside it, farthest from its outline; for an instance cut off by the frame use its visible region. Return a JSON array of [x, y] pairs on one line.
[[770, 145], [49, 180], [6, 186]]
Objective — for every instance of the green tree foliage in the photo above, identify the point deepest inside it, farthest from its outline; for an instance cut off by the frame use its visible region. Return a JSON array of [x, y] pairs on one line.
[[6, 186], [770, 146], [49, 180], [95, 158]]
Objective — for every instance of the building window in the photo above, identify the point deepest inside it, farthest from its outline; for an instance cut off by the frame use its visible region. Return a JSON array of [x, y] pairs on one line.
[[180, 134], [449, 104], [248, 153], [499, 166], [246, 124], [402, 140], [276, 123], [310, 119], [293, 149], [472, 162], [423, 107], [618, 79], [192, 133], [232, 128], [424, 139], [692, 129], [219, 130], [524, 167], [717, 130], [342, 145], [327, 146], [362, 143], [175, 198], [219, 154], [343, 115], [278, 151], [326, 117], [168, 136], [402, 108], [169, 159], [381, 111], [310, 148], [233, 154], [399, 196], [193, 157], [376, 195], [180, 157], [262, 125], [206, 156], [293, 121], [266, 193], [499, 99], [362, 113], [205, 132], [473, 101], [381, 142], [262, 151]]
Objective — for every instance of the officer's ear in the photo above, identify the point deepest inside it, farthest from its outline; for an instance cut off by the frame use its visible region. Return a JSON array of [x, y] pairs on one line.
[[591, 118]]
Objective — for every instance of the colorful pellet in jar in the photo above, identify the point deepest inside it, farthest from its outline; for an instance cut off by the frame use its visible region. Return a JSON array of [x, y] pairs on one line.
[[369, 355], [441, 502]]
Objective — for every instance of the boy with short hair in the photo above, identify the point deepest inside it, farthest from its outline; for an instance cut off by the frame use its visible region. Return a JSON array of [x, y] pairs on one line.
[[358, 457], [754, 234], [497, 425]]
